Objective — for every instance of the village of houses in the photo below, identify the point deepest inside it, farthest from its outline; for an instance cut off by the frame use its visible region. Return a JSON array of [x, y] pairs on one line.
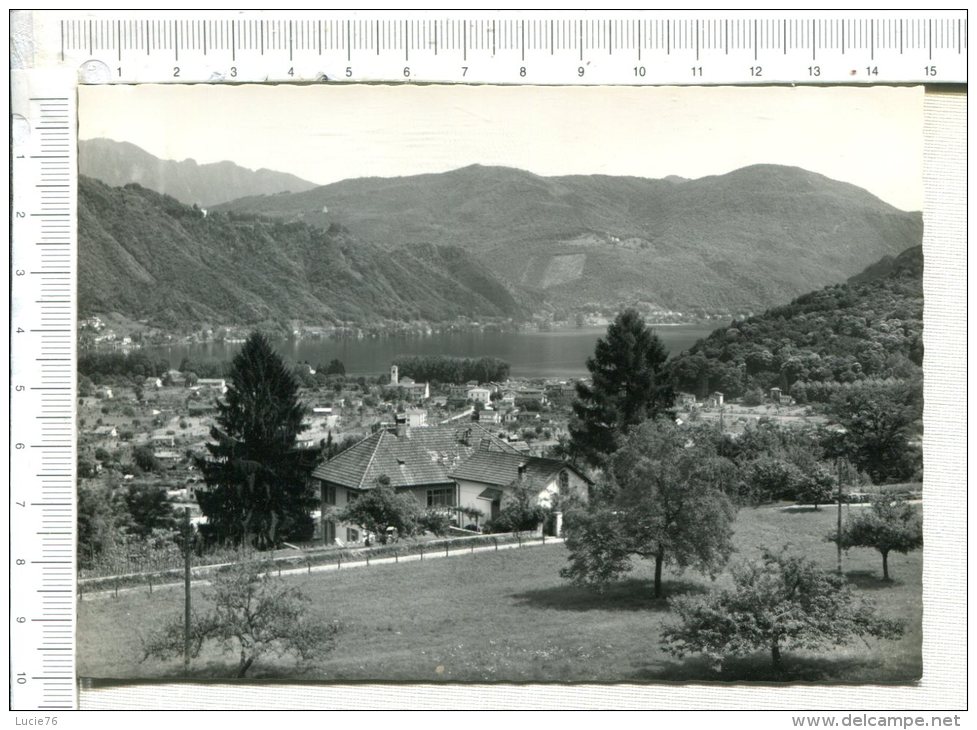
[[455, 447]]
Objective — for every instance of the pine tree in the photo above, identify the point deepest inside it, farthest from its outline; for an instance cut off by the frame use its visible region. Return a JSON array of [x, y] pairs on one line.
[[257, 479], [628, 387]]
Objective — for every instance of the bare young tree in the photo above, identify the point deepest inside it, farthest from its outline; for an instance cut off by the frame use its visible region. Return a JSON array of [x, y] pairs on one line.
[[255, 614]]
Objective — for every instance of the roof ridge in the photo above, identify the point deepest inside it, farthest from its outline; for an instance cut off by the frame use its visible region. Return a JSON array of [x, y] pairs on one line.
[[372, 457], [343, 455], [495, 438]]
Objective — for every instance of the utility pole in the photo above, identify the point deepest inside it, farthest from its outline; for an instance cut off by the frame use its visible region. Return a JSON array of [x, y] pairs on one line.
[[187, 536], [838, 467]]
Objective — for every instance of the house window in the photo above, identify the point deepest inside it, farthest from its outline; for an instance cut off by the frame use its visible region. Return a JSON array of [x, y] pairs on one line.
[[329, 494], [441, 497], [352, 535], [564, 481]]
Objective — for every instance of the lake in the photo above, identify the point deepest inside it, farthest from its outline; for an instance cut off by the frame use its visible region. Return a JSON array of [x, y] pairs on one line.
[[555, 354]]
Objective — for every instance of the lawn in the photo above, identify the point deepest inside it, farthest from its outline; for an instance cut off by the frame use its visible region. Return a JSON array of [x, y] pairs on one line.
[[508, 616]]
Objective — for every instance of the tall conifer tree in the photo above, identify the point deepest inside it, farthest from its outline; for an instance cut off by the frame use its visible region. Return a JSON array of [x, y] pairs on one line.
[[628, 387], [257, 479]]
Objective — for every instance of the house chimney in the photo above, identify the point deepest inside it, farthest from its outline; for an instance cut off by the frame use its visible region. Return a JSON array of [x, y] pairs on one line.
[[403, 427], [522, 472]]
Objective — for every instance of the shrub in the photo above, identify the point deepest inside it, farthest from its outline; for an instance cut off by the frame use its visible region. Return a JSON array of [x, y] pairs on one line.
[[434, 521], [753, 397], [520, 509], [777, 603]]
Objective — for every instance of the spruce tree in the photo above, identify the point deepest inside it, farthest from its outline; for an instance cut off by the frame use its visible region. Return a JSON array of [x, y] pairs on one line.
[[257, 479], [628, 387]]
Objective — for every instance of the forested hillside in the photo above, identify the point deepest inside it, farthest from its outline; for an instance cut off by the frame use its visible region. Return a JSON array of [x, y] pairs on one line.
[[866, 331], [150, 257]]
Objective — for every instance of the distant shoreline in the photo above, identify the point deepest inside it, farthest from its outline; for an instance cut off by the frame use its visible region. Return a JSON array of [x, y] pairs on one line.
[[558, 353]]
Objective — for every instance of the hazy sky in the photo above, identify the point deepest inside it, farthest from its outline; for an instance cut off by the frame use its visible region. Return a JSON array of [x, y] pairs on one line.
[[871, 137]]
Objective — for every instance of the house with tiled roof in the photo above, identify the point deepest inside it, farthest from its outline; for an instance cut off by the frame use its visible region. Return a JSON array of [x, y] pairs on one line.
[[484, 477], [415, 417], [488, 415], [432, 464], [479, 394]]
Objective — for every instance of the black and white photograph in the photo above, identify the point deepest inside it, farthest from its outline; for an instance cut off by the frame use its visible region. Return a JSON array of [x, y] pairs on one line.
[[500, 384]]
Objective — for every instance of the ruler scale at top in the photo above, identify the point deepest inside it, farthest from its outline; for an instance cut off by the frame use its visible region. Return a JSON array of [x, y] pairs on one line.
[[60, 50], [511, 47]]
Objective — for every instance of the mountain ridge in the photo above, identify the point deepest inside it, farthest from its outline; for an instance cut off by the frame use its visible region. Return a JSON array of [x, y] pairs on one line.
[[745, 240], [561, 246], [205, 184]]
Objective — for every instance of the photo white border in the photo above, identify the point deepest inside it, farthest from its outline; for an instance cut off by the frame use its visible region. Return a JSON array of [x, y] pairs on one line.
[[944, 582]]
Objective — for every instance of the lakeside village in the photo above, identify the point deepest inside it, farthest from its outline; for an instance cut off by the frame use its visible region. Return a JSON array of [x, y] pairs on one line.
[[455, 446], [444, 456], [115, 332]]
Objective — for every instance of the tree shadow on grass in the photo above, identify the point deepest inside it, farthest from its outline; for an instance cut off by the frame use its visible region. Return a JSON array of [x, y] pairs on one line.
[[799, 509], [869, 580], [759, 668], [625, 595]]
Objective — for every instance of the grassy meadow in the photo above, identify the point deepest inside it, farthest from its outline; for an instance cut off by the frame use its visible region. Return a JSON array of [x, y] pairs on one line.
[[508, 616]]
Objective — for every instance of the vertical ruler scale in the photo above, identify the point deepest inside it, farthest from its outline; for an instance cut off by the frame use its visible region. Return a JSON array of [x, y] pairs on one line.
[[42, 461]]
